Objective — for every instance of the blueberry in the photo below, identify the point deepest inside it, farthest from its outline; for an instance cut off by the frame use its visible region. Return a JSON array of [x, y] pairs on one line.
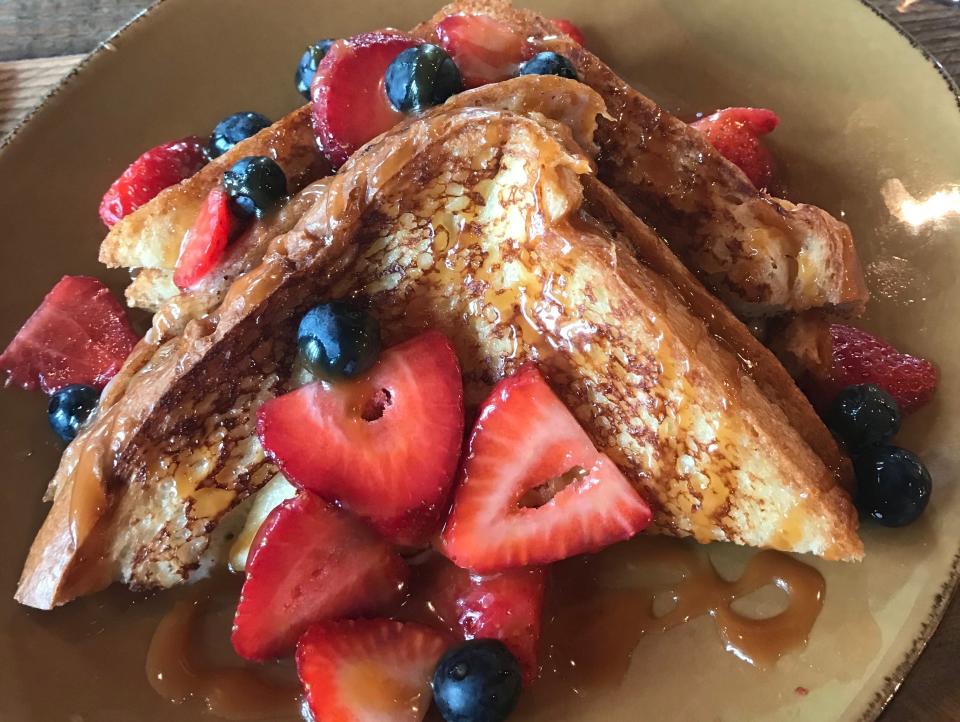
[[256, 184], [308, 65], [893, 486], [549, 63], [232, 129], [337, 339], [478, 681], [421, 77], [863, 415], [70, 407]]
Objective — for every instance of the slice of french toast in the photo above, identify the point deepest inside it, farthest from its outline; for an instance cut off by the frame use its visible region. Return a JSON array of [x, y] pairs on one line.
[[472, 220]]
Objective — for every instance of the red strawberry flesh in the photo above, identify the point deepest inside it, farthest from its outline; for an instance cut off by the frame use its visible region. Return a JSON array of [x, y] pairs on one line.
[[735, 133], [158, 168], [310, 562], [350, 104], [384, 445], [533, 488], [568, 27], [79, 335], [484, 49], [205, 242], [369, 670]]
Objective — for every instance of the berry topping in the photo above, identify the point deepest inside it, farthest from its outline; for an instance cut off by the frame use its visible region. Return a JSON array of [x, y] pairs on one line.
[[549, 63], [338, 339], [350, 105], [534, 489], [234, 129], [863, 415], [78, 335], [567, 27], [310, 562], [307, 67], [384, 445], [374, 670], [203, 245], [893, 486], [479, 681], [421, 77], [256, 184], [485, 50], [70, 407], [735, 133], [158, 168]]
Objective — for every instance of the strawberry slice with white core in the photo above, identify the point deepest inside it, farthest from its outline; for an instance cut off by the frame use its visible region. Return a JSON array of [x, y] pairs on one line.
[[484, 49], [384, 445], [311, 562], [369, 670], [534, 489], [79, 335], [350, 103], [205, 242]]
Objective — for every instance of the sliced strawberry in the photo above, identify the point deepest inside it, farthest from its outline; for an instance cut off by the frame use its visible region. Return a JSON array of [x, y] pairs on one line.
[[861, 358], [567, 26], [78, 335], [370, 670], [310, 562], [485, 49], [350, 104], [149, 174], [385, 445], [735, 133], [205, 242], [507, 606], [534, 489]]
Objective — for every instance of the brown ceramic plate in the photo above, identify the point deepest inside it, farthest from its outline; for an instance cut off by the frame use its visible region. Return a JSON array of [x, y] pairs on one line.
[[862, 111]]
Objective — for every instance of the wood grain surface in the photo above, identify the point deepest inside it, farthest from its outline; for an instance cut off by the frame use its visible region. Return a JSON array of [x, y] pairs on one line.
[[65, 28]]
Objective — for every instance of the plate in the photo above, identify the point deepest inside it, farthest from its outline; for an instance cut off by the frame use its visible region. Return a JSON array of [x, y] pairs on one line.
[[870, 131]]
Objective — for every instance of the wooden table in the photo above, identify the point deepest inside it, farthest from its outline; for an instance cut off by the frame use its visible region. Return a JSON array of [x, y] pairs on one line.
[[39, 29]]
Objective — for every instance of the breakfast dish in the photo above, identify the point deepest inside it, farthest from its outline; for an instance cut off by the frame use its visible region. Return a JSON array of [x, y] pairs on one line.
[[477, 309]]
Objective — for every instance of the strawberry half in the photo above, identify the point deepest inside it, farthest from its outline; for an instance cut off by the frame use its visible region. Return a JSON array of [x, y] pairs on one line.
[[485, 50], [384, 445], [858, 357], [204, 244], [350, 104], [310, 562], [567, 27], [149, 174], [370, 670], [735, 133], [79, 335], [534, 489]]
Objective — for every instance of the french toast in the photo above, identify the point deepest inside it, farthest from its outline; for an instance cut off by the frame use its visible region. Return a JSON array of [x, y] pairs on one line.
[[481, 219], [762, 255]]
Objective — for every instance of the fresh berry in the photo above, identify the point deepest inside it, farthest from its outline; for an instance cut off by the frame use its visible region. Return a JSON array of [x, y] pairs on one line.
[[549, 63], [384, 445], [421, 77], [307, 67], [369, 670], [158, 168], [858, 357], [350, 105], [234, 129], [78, 335], [204, 244], [893, 486], [479, 681], [567, 27], [505, 606], [863, 415], [485, 50], [338, 339], [256, 184], [735, 133], [70, 407], [534, 489], [310, 562]]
